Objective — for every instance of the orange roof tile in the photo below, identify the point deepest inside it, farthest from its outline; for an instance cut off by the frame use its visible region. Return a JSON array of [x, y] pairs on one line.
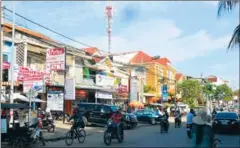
[[178, 76], [91, 50], [26, 31], [163, 61], [141, 57]]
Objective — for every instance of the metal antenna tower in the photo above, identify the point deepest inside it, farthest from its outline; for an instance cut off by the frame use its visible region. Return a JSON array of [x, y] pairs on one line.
[[109, 14]]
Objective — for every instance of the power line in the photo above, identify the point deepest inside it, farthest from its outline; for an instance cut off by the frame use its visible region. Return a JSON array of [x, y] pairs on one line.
[[60, 34]]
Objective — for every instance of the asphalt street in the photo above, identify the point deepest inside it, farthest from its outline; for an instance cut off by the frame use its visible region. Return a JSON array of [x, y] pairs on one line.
[[148, 136]]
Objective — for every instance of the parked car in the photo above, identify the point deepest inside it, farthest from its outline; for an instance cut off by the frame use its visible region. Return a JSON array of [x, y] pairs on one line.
[[99, 114], [147, 115], [226, 122]]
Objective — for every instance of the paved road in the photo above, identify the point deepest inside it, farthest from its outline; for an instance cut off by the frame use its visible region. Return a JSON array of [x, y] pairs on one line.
[[147, 136]]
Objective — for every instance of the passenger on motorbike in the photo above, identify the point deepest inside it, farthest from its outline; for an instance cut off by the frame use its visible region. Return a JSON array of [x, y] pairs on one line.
[[77, 119], [116, 117]]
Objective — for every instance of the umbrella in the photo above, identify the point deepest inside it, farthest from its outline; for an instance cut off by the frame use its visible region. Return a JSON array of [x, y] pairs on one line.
[[37, 100]]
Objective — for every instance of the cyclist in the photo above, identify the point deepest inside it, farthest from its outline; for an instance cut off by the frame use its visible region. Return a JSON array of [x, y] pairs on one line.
[[77, 118], [116, 117]]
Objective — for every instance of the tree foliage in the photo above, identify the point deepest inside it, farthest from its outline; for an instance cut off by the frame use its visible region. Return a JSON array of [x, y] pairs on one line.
[[236, 93], [224, 92], [191, 91], [228, 6], [148, 89]]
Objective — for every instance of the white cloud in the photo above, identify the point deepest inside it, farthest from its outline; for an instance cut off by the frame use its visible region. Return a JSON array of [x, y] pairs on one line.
[[160, 37]]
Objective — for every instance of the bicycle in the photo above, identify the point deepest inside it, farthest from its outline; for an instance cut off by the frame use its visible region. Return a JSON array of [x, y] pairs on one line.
[[74, 133], [215, 142]]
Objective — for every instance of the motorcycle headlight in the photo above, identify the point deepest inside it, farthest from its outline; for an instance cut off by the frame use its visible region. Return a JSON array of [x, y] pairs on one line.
[[109, 122], [127, 118]]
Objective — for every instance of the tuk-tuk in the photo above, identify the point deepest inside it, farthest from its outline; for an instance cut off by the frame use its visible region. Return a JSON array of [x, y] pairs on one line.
[[7, 133]]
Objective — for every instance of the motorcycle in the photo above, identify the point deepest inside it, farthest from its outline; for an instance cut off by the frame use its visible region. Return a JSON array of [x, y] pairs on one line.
[[178, 122], [29, 135], [112, 133], [164, 125], [189, 130], [48, 123]]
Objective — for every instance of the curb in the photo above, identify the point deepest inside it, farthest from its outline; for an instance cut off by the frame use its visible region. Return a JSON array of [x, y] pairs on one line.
[[60, 138]]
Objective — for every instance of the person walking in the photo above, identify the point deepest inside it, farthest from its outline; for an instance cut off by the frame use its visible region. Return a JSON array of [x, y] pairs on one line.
[[202, 134]]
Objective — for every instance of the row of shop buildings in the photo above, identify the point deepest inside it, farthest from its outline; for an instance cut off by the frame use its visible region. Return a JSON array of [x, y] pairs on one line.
[[117, 78]]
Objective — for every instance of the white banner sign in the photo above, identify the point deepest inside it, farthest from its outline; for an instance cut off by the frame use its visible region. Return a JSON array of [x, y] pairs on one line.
[[55, 59], [103, 95], [70, 89], [55, 100], [104, 80], [134, 89]]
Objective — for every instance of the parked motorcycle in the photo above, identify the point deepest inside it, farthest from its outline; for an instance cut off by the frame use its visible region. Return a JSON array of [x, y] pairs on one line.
[[189, 130], [29, 135], [47, 122], [164, 125], [112, 133]]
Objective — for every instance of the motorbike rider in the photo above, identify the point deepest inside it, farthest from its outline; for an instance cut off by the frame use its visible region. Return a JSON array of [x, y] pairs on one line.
[[190, 116], [177, 115], [77, 118], [165, 116], [214, 112], [116, 117]]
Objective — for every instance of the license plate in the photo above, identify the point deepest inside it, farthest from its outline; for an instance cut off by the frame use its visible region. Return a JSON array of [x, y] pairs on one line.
[[188, 129], [224, 122]]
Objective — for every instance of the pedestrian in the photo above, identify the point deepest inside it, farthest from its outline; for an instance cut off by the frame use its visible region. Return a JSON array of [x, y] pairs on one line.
[[202, 135]]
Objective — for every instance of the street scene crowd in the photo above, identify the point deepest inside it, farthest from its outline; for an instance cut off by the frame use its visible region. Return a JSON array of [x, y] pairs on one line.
[[54, 94]]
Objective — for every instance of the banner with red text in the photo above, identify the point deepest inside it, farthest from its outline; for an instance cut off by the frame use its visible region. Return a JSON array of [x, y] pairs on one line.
[[55, 59]]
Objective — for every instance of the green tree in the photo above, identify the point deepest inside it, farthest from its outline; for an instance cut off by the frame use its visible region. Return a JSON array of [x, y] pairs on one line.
[[224, 92], [228, 6], [236, 93], [191, 91], [208, 90], [148, 88]]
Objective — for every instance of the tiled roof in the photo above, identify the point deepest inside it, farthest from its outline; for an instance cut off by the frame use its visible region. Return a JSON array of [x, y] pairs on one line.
[[8, 28], [212, 79], [163, 61], [91, 50], [141, 57], [178, 76]]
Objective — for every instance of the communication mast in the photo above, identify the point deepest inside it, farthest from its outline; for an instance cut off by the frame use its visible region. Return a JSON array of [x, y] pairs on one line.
[[109, 14]]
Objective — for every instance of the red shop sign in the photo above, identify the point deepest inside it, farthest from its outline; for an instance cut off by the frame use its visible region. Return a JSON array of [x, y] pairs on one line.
[[122, 89], [5, 65], [81, 94]]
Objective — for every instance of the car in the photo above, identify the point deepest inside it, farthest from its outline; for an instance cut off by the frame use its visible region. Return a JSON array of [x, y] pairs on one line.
[[98, 114], [226, 122], [146, 115]]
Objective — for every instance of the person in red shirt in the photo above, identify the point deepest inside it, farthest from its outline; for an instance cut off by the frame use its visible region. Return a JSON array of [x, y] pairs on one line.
[[117, 117]]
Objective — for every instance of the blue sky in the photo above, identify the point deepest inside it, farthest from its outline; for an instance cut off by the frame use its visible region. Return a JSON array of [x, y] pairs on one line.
[[188, 33]]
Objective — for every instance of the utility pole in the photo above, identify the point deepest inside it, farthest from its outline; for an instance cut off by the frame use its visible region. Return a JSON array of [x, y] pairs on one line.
[[1, 46], [13, 60]]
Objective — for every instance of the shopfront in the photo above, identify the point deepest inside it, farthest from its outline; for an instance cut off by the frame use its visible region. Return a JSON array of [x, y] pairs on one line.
[[103, 97]]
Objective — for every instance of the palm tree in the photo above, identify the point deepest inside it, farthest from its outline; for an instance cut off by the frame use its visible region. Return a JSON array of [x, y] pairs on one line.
[[228, 6]]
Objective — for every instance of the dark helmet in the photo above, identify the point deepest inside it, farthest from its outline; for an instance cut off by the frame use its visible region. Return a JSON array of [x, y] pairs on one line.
[[75, 110], [191, 110]]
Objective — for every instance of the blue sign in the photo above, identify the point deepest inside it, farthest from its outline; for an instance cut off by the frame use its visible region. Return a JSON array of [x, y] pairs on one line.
[[164, 93]]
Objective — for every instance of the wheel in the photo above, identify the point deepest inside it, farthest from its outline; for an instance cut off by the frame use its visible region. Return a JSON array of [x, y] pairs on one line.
[[107, 137], [51, 128], [121, 136], [81, 135], [153, 121], [69, 138], [85, 121]]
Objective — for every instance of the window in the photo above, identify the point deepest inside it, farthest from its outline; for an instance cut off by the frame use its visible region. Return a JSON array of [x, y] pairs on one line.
[[5, 58], [139, 112], [97, 108], [107, 109]]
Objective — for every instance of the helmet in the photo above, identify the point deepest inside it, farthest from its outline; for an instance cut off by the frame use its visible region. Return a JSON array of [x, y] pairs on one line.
[[75, 110]]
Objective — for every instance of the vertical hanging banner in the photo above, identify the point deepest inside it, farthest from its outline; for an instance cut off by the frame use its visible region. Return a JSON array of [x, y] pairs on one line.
[[69, 89], [55, 60], [164, 93]]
